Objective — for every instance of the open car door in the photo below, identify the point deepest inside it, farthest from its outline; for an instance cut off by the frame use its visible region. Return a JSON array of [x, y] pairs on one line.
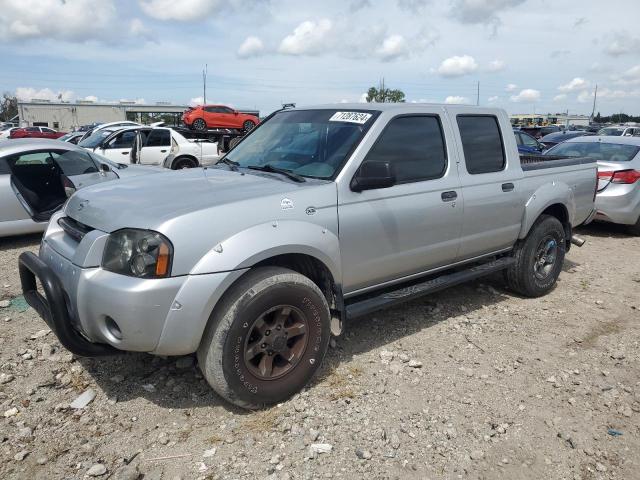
[[43, 180]]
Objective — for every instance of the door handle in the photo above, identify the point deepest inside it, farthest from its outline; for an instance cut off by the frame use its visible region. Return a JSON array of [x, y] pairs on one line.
[[163, 151], [124, 153], [507, 187], [449, 196]]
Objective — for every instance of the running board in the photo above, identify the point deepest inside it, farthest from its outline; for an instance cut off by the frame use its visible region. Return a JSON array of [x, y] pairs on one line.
[[371, 304]]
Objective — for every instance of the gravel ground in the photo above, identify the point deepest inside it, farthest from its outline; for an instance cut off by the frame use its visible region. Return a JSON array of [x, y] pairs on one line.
[[473, 382]]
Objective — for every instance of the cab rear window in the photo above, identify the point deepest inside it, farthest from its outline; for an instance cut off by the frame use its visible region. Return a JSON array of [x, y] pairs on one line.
[[482, 143]]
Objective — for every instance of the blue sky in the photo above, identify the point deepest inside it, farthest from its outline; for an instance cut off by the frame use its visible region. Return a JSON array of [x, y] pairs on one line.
[[528, 55]]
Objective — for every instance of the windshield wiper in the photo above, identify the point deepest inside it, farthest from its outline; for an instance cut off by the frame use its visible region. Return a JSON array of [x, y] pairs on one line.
[[271, 169], [232, 165]]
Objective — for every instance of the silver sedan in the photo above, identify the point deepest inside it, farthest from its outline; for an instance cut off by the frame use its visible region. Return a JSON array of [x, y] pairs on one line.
[[37, 176], [618, 196]]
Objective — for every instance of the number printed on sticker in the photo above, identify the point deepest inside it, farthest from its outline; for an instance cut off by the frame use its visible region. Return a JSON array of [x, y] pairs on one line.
[[351, 117]]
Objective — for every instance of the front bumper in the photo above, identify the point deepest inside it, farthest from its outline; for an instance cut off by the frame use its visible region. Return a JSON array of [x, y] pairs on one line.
[[95, 312]]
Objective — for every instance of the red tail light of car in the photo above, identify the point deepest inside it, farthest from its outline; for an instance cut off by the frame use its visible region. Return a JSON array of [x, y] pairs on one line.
[[620, 176]]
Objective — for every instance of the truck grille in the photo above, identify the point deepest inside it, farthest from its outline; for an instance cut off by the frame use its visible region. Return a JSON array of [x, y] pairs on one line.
[[73, 228]]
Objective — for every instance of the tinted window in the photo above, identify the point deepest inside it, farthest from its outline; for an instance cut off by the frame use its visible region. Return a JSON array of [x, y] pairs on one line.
[[32, 129], [529, 141], [48, 130], [414, 146], [74, 162], [482, 143], [159, 138], [212, 109]]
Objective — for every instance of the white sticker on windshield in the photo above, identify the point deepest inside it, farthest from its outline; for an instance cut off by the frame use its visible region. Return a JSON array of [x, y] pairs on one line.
[[351, 117]]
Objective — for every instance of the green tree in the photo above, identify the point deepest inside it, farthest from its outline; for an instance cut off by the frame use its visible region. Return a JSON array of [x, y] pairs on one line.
[[385, 95], [8, 107]]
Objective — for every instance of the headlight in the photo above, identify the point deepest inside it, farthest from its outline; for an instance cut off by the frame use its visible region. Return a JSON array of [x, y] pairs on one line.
[[138, 253]]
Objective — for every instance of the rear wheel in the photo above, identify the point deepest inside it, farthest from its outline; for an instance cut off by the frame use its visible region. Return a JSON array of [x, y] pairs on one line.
[[199, 124], [184, 162], [539, 258], [266, 339], [248, 125]]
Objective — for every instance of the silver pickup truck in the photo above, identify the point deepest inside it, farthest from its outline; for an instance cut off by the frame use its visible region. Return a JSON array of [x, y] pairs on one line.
[[318, 215]]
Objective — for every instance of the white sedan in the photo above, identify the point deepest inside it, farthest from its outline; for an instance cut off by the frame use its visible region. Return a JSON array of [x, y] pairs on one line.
[[151, 146]]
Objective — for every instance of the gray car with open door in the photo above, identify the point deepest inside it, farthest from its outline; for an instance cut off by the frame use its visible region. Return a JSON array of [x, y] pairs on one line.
[[37, 176]]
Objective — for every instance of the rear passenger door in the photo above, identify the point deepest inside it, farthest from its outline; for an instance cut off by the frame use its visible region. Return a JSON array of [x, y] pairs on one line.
[[490, 185], [413, 226], [156, 148]]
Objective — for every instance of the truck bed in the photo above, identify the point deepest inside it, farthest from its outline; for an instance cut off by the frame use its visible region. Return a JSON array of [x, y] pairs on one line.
[[538, 162]]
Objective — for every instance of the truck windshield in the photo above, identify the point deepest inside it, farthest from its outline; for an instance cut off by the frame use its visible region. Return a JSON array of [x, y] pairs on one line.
[[310, 143], [607, 152]]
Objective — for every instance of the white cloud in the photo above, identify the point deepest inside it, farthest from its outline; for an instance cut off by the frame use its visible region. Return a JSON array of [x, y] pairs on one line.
[[90, 98], [308, 38], [196, 101], [559, 98], [511, 87], [481, 11], [70, 20], [412, 6], [610, 94], [622, 43], [138, 29], [251, 47], [182, 11], [526, 95], [28, 93], [629, 77], [584, 96], [574, 85], [457, 66], [456, 100], [393, 47], [493, 99], [363, 98], [496, 65], [357, 5]]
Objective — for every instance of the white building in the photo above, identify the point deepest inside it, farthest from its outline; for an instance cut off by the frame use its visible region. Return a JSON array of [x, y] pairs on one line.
[[66, 116], [530, 119]]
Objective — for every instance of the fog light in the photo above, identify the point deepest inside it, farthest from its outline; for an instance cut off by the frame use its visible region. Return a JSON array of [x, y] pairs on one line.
[[113, 328]]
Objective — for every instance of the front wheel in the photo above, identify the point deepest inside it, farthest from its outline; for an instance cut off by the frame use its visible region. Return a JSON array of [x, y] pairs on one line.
[[539, 258], [266, 338]]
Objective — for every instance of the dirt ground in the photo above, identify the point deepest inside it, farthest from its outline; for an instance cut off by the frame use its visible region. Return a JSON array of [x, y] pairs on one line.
[[474, 382]]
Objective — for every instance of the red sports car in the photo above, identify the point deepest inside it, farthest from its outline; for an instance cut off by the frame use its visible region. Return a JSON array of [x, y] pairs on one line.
[[203, 117], [36, 132]]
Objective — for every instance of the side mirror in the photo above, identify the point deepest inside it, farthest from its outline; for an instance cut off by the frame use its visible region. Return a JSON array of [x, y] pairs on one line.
[[104, 168], [372, 175]]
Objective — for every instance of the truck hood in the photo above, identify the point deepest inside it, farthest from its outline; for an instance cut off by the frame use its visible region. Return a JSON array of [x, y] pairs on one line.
[[155, 202]]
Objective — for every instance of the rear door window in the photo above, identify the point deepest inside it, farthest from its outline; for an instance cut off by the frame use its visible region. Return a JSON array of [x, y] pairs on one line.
[[124, 140], [482, 143], [414, 146], [159, 138]]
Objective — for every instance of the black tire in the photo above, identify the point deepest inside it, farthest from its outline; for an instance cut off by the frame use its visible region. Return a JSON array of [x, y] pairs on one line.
[[199, 124], [248, 125], [234, 141], [539, 258], [233, 354], [183, 162]]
